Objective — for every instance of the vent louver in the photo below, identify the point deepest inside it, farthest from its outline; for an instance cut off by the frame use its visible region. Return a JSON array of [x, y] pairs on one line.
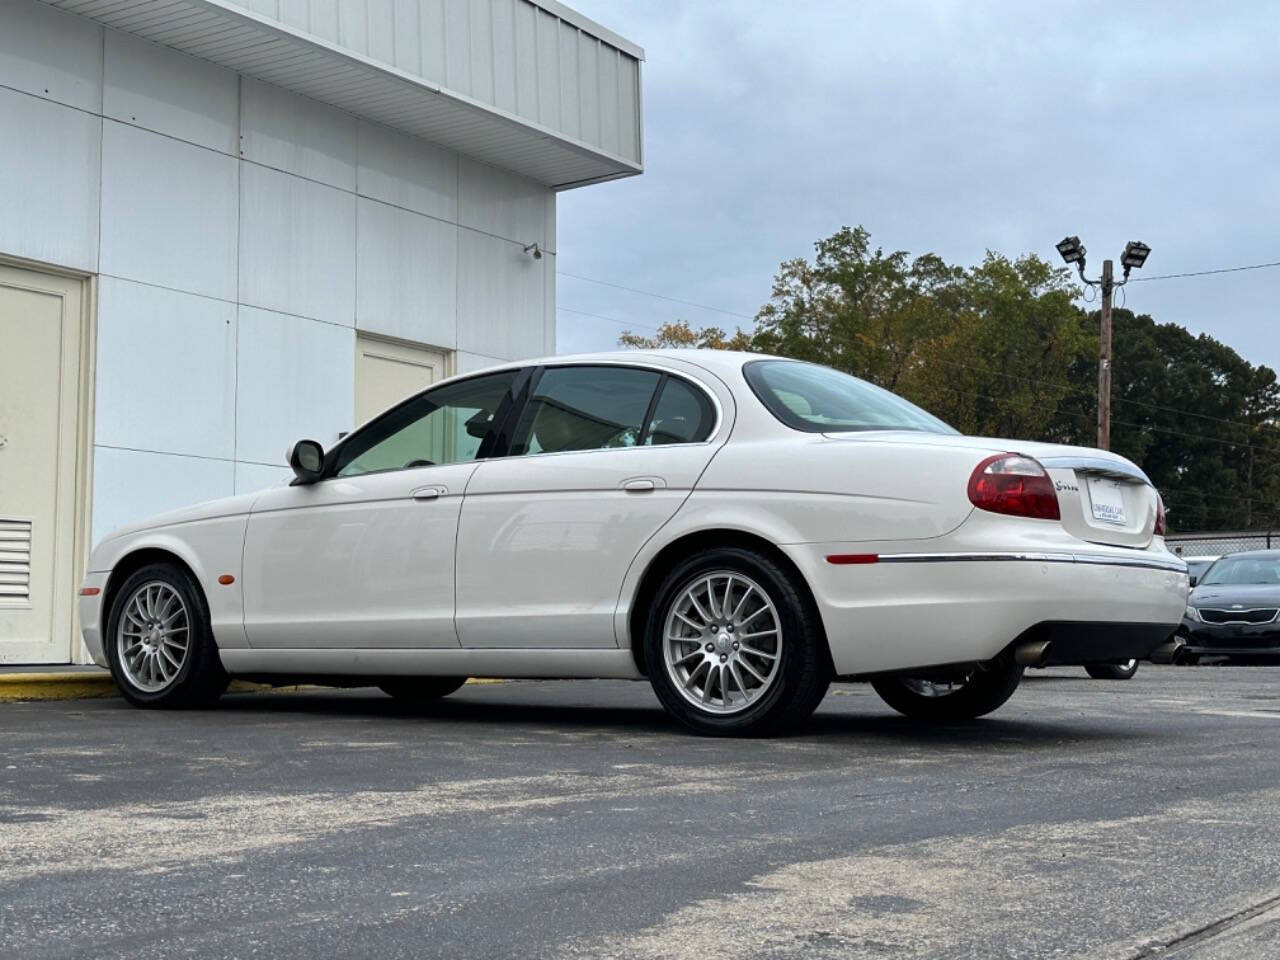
[[15, 563]]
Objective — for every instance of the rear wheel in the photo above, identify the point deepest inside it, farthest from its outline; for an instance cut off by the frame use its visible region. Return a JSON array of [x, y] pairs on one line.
[[943, 698], [1112, 671], [160, 645], [733, 646], [421, 689]]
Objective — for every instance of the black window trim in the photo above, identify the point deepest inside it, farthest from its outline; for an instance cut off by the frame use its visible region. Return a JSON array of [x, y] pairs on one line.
[[489, 446], [699, 389]]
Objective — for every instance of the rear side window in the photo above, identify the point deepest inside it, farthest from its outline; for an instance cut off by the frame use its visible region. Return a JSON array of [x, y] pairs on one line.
[[585, 408], [817, 399], [683, 414]]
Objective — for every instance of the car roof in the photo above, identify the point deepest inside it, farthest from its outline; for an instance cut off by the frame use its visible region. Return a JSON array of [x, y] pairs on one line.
[[714, 360]]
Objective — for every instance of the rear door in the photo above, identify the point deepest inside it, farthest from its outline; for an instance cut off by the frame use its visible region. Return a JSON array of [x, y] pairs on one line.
[[601, 457]]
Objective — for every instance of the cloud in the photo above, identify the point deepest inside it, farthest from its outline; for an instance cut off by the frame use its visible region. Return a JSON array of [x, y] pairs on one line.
[[945, 127]]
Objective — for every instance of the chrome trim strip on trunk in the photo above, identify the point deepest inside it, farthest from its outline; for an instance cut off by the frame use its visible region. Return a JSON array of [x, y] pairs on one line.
[[1098, 466], [1145, 563]]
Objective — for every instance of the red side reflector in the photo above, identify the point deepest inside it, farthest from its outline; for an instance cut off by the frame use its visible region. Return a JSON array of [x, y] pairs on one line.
[[90, 591], [226, 579], [843, 558]]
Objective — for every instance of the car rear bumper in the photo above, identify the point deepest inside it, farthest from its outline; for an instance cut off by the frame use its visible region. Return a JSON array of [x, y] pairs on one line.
[[902, 611]]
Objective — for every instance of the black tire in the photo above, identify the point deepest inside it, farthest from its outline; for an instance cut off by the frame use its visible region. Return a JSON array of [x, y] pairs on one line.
[[803, 671], [421, 689], [1112, 671], [984, 690], [200, 679]]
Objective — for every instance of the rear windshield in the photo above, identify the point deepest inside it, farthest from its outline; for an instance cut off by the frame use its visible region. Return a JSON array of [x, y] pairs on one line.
[[818, 399], [1264, 569]]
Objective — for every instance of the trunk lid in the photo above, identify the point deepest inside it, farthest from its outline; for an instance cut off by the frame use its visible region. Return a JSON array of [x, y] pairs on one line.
[[1103, 497]]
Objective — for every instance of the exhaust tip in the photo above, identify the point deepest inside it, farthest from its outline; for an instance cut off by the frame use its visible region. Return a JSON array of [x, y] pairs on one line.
[[1032, 654]]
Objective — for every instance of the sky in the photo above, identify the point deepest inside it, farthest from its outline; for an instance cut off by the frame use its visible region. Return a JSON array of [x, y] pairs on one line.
[[952, 128]]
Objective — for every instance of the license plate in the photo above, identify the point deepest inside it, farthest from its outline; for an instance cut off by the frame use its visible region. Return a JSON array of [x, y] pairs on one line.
[[1107, 499]]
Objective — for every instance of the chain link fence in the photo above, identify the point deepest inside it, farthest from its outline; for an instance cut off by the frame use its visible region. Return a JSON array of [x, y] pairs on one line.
[[1216, 544]]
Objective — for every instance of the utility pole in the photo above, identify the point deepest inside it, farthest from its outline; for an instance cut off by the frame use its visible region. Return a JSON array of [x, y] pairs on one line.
[[1104, 362], [1135, 255]]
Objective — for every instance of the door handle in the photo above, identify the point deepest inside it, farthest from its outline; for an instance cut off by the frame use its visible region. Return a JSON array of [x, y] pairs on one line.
[[639, 485], [428, 493]]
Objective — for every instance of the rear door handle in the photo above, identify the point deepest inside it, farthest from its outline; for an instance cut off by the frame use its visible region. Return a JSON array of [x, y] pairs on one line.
[[639, 485], [428, 493]]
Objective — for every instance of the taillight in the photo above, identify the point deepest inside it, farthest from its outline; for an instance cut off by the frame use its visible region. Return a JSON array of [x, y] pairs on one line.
[[1013, 484], [1159, 531]]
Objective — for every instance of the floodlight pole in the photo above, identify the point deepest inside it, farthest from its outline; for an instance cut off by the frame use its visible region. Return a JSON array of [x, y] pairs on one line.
[[1104, 361]]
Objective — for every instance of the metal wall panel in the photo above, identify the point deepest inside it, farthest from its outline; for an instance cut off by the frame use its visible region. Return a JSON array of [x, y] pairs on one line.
[[51, 54], [283, 130], [407, 270], [186, 344], [295, 379], [407, 172], [54, 153], [297, 246], [499, 289], [168, 212], [155, 87], [131, 484]]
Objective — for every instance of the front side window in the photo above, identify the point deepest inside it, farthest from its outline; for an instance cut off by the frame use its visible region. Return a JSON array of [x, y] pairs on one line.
[[817, 399], [585, 408], [445, 425]]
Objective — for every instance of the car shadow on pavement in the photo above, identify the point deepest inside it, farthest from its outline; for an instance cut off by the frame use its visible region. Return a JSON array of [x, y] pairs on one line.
[[514, 710]]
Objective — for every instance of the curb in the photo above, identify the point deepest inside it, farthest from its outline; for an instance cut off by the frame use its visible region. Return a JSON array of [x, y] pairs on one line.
[[79, 685], [87, 685]]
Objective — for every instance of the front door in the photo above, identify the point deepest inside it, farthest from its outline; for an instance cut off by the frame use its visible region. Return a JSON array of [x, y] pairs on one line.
[[40, 324], [602, 457], [365, 557]]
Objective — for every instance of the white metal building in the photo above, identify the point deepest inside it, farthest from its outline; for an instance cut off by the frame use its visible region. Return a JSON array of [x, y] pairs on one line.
[[228, 224]]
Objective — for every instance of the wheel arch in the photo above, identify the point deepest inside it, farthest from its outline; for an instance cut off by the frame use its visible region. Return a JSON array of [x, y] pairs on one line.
[[687, 545], [130, 563]]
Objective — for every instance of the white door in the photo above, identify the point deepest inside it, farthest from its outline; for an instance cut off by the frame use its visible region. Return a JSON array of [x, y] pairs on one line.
[[602, 457], [387, 371], [365, 557], [40, 322]]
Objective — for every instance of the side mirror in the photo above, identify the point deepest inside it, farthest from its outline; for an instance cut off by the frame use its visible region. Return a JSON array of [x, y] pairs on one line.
[[306, 457]]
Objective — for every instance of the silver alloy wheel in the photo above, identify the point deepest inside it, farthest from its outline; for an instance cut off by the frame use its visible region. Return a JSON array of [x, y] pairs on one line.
[[153, 636], [1129, 665], [722, 642]]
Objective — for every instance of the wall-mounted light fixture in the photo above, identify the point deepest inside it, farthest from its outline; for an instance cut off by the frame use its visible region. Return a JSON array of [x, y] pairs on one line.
[[533, 250]]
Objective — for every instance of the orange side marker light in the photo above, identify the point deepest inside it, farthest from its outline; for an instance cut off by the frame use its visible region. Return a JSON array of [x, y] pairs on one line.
[[226, 579]]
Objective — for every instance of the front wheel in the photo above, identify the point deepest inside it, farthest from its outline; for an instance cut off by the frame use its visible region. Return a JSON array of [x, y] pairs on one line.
[[159, 641], [733, 646], [951, 698], [1112, 671]]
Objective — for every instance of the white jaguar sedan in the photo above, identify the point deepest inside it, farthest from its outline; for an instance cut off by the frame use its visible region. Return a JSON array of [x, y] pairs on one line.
[[738, 529]]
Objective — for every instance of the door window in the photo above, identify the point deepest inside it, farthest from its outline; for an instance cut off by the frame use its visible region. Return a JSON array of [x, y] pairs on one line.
[[683, 415], [445, 425], [585, 408]]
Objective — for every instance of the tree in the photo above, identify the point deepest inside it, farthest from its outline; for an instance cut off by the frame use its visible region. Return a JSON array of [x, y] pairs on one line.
[[678, 333], [1001, 349]]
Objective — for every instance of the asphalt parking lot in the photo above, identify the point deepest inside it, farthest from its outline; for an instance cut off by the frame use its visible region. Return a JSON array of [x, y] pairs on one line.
[[572, 819]]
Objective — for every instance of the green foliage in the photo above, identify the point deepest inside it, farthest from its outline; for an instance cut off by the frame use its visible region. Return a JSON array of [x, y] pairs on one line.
[[1002, 349]]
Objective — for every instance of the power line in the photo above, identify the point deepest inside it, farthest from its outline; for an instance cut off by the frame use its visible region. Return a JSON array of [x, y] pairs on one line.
[[601, 316], [1206, 273], [659, 296]]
